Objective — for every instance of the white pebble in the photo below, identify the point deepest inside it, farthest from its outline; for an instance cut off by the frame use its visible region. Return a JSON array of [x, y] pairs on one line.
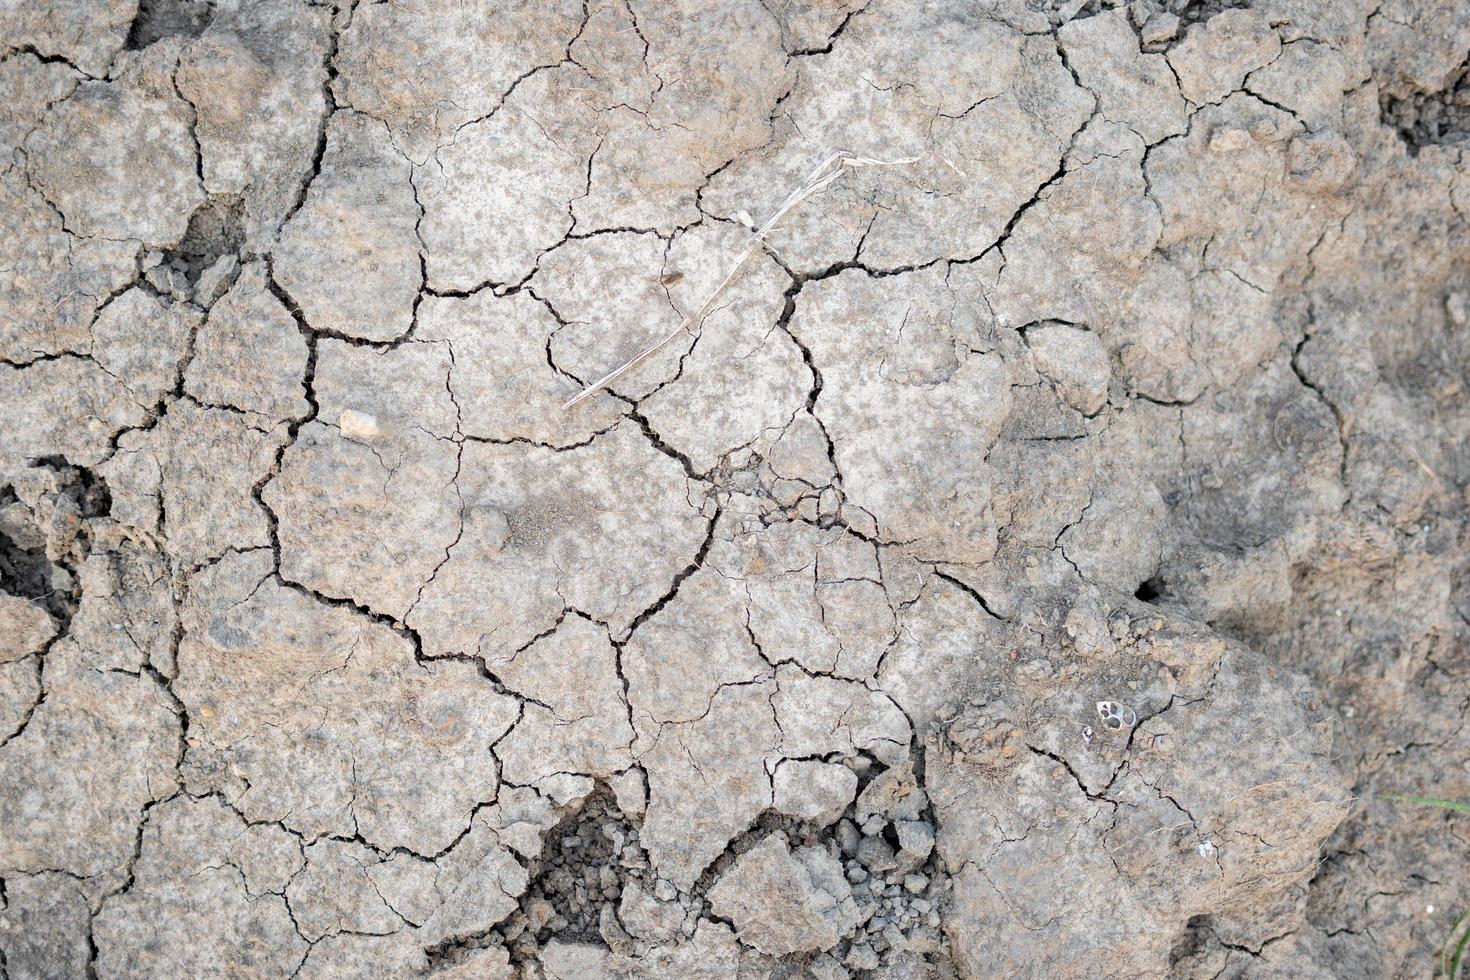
[[357, 425]]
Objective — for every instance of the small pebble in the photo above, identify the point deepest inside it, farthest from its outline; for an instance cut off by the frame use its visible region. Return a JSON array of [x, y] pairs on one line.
[[876, 855], [1160, 28], [862, 957], [360, 426], [1229, 140]]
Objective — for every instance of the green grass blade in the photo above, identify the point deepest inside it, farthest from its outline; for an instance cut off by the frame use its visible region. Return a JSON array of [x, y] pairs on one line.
[[1452, 968], [1427, 801]]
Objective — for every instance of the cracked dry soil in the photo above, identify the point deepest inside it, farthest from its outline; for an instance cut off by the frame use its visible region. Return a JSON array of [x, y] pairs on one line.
[[1039, 563]]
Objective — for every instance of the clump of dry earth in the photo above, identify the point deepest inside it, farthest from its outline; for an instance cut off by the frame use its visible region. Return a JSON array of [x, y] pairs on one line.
[[330, 646]]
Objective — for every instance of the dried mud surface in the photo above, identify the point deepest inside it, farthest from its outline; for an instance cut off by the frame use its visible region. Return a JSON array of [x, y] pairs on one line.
[[1040, 563]]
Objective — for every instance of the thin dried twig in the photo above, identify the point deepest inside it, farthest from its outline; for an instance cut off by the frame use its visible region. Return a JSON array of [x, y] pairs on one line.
[[819, 180]]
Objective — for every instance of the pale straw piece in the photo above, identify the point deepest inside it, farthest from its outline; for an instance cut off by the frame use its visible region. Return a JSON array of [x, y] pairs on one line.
[[819, 180]]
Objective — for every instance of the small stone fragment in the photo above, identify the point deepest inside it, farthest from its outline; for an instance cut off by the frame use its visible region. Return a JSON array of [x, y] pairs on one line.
[[631, 791], [215, 280], [784, 901], [894, 793], [1229, 139], [1457, 305], [24, 628], [648, 917], [862, 957], [1159, 28], [815, 791], [877, 855], [915, 841], [826, 967]]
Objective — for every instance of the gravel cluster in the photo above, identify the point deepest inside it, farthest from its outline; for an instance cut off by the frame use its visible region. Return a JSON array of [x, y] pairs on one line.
[[887, 859], [1147, 15], [586, 864], [896, 881], [1429, 118]]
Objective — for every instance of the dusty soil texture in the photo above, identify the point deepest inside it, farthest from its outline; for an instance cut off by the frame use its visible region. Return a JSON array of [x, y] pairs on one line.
[[1041, 561]]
